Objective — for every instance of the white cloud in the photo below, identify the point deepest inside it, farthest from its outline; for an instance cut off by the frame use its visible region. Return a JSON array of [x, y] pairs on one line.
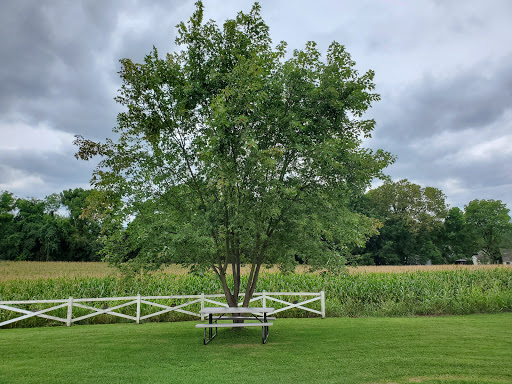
[[19, 180], [485, 145], [486, 151], [455, 190], [40, 138]]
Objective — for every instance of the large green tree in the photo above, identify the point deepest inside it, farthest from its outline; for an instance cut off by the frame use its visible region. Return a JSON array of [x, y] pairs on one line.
[[422, 208], [489, 225], [454, 237], [80, 232], [228, 152], [413, 217]]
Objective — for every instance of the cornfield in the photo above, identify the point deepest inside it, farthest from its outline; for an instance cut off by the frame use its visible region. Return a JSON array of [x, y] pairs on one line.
[[33, 270], [356, 293]]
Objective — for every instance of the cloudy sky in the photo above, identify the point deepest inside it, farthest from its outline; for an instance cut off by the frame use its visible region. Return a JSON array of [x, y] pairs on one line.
[[443, 69]]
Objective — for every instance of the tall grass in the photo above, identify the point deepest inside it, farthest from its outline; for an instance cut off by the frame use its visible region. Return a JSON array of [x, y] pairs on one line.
[[33, 270], [449, 292]]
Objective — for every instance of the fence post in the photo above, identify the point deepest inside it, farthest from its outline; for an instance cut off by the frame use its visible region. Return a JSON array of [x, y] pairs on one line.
[[322, 302], [264, 299], [202, 306], [137, 320], [70, 311]]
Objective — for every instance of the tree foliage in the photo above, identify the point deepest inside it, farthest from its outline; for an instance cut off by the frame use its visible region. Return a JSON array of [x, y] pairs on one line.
[[417, 226], [413, 217], [231, 153], [419, 208], [34, 230], [489, 224], [455, 240]]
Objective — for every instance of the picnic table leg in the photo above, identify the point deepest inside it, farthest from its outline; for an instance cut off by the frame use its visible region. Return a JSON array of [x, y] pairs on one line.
[[211, 335], [216, 329], [264, 331], [210, 318]]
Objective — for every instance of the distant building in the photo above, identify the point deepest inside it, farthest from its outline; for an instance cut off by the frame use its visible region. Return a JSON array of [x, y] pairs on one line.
[[506, 255], [483, 258]]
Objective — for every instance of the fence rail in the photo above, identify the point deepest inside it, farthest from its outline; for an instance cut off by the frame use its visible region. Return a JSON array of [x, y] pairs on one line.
[[203, 299]]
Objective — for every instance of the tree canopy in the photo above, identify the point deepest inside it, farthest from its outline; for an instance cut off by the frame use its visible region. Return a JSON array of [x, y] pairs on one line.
[[228, 152], [413, 217], [35, 230], [489, 224], [418, 226]]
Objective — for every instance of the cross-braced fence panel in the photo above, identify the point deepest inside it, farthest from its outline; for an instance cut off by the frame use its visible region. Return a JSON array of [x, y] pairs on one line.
[[139, 308]]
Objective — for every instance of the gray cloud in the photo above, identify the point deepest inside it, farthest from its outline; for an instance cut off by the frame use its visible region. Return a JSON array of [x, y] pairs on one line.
[[474, 98], [39, 175], [454, 133], [443, 71], [62, 59], [53, 51]]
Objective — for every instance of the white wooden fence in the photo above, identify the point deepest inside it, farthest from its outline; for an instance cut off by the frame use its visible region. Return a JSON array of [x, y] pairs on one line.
[[139, 300]]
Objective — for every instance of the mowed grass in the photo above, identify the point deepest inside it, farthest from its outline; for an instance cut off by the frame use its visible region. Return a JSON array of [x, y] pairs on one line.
[[455, 349], [34, 270]]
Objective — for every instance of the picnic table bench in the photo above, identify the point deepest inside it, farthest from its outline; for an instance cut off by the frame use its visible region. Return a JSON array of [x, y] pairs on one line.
[[257, 313]]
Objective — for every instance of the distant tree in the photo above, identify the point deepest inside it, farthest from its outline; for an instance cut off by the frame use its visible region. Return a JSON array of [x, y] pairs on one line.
[[26, 243], [7, 203], [235, 154], [394, 245], [52, 204], [489, 224], [455, 221], [75, 201], [7, 227], [32, 229], [454, 237], [412, 217], [81, 232], [419, 208], [429, 252]]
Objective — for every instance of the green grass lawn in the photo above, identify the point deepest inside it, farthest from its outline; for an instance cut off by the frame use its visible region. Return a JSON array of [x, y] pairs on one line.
[[457, 349]]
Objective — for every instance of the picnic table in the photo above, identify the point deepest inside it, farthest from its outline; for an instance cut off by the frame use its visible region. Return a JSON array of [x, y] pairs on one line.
[[235, 313]]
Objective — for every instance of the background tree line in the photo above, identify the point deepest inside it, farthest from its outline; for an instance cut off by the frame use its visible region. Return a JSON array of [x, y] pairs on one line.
[[417, 227], [48, 230]]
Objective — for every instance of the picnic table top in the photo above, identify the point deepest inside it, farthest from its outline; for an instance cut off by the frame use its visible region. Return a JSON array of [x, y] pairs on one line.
[[212, 310]]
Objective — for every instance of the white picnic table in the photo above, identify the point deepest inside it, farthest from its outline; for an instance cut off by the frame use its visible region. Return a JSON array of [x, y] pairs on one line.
[[257, 313]]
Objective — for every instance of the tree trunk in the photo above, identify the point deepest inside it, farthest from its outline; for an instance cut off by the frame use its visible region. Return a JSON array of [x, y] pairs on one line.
[[230, 298], [220, 269]]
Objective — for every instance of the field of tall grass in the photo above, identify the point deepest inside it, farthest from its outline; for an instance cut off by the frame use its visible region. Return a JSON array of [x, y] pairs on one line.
[[33, 270], [361, 292]]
